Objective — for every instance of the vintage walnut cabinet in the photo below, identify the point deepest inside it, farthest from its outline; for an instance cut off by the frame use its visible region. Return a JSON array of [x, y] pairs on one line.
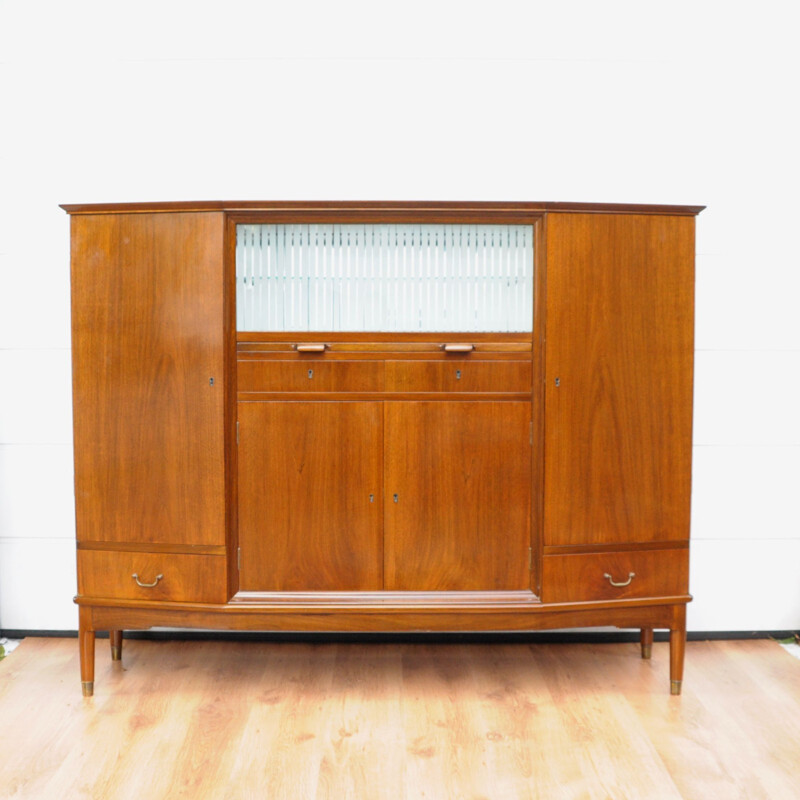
[[382, 417]]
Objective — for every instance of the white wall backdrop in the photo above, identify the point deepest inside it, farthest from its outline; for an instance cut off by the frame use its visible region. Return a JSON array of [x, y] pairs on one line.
[[681, 102]]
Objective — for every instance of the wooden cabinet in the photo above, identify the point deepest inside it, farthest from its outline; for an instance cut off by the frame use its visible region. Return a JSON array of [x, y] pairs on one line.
[[618, 397], [131, 574], [382, 417], [615, 574], [458, 478], [310, 496], [148, 370], [457, 376]]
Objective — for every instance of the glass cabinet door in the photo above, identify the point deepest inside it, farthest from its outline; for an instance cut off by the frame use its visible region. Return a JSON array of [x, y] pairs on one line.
[[405, 278]]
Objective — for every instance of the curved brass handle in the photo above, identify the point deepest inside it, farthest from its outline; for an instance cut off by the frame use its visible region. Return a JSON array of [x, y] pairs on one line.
[[631, 576], [458, 348], [135, 576], [310, 348]]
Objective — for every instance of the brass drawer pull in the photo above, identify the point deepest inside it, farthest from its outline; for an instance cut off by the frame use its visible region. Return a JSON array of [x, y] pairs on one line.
[[458, 348], [135, 576], [631, 576], [310, 348]]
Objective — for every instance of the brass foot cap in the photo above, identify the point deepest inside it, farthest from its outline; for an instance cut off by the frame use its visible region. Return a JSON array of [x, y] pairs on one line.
[[116, 653], [675, 687], [88, 688], [647, 650]]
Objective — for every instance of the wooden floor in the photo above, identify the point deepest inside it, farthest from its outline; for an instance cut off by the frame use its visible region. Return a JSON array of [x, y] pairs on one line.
[[265, 720]]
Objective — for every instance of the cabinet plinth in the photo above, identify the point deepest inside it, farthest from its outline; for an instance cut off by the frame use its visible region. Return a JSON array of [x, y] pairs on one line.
[[382, 417]]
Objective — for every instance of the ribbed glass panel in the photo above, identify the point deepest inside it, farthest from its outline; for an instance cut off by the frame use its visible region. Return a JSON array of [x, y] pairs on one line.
[[384, 278]]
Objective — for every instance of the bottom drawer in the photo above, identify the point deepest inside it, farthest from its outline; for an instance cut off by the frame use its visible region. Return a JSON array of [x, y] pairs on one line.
[[643, 573], [192, 578]]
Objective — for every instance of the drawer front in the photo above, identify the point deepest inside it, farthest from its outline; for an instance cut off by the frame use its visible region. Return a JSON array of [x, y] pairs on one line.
[[309, 375], [191, 578], [458, 375], [576, 578]]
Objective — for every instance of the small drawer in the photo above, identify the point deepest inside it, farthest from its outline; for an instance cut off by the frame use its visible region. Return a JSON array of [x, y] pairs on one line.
[[309, 375], [458, 375], [638, 573], [184, 577]]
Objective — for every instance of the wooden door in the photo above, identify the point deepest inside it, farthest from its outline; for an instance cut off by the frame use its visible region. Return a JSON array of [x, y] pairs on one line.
[[458, 484], [310, 496], [618, 398], [148, 335]]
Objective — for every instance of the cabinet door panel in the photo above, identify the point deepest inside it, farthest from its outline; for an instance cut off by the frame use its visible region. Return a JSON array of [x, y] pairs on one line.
[[148, 335], [618, 426], [461, 472], [310, 509]]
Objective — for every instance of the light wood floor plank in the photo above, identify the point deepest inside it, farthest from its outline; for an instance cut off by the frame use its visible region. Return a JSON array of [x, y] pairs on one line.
[[363, 711], [40, 715], [399, 721], [281, 747], [618, 758], [747, 721], [519, 715], [444, 750], [689, 735]]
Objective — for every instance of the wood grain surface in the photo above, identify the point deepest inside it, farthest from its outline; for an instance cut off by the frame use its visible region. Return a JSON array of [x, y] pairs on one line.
[[375, 611], [108, 573], [656, 573], [148, 338], [400, 721], [309, 375], [467, 208], [306, 474], [462, 475], [458, 375], [618, 428]]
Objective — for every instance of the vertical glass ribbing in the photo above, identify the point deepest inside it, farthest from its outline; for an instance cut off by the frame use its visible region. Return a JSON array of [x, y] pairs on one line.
[[384, 278]]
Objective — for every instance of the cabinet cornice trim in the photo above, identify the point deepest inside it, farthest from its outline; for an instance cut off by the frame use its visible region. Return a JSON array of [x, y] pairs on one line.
[[298, 206]]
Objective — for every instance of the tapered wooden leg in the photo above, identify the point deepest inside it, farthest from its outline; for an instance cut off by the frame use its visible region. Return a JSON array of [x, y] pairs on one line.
[[677, 648], [647, 642], [115, 639], [86, 645]]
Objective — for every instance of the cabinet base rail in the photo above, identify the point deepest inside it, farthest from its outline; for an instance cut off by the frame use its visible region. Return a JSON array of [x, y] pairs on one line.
[[512, 614]]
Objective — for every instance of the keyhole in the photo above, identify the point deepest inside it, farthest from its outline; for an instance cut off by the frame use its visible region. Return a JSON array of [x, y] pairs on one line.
[[395, 498], [372, 498], [458, 374], [311, 373]]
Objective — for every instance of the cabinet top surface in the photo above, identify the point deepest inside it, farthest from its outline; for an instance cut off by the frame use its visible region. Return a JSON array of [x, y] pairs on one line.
[[300, 206]]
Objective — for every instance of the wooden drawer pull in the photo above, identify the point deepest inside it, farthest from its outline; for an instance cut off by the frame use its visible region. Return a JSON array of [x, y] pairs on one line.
[[310, 348], [458, 348], [135, 576], [631, 576]]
